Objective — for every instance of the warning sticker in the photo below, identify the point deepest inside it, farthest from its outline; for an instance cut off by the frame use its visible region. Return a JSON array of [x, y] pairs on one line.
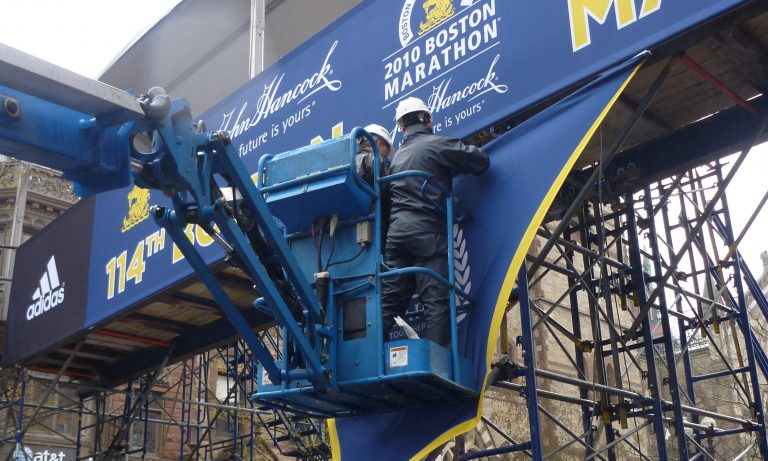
[[398, 356]]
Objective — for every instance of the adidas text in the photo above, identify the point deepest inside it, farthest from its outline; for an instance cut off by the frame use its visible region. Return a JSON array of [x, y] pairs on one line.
[[50, 292], [44, 304]]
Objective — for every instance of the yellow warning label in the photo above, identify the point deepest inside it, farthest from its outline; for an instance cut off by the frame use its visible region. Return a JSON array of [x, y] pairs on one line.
[[398, 356]]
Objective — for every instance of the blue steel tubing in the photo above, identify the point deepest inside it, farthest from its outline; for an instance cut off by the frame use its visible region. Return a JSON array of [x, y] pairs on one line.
[[406, 174], [232, 418], [253, 266], [760, 355], [248, 370], [586, 410], [146, 418], [604, 286], [377, 246], [229, 163], [688, 369], [201, 411], [78, 439], [377, 243], [451, 281], [682, 327], [353, 289], [720, 374], [428, 179], [174, 229], [531, 395], [749, 338], [635, 346], [740, 430], [277, 241], [234, 235], [332, 334], [185, 409], [760, 358], [452, 292], [498, 451], [638, 278], [19, 417], [423, 270], [269, 339], [127, 405], [100, 405], [754, 287], [669, 352], [284, 355], [594, 316]]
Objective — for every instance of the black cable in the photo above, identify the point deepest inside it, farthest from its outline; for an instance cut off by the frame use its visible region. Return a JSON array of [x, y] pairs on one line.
[[330, 254], [362, 248], [319, 248]]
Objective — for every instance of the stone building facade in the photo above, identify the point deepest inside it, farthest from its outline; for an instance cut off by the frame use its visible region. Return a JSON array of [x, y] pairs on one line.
[[31, 197], [708, 354]]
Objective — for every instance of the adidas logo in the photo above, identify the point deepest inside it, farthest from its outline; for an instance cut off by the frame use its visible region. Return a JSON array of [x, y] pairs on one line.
[[49, 294]]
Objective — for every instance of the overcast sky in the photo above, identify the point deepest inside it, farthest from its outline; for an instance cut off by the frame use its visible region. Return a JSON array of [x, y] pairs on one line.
[[86, 35], [81, 35], [744, 193]]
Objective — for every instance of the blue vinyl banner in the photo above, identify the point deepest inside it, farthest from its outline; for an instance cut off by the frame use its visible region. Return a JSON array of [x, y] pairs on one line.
[[475, 63], [508, 203]]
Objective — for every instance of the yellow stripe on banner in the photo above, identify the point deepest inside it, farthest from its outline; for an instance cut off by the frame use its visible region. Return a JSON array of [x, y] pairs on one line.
[[514, 268], [334, 436], [506, 288]]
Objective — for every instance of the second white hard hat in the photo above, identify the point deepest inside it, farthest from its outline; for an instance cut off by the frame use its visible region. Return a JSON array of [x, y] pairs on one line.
[[409, 106], [381, 132]]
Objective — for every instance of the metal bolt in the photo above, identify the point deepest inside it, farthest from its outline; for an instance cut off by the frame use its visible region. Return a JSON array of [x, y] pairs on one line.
[[222, 136], [11, 107]]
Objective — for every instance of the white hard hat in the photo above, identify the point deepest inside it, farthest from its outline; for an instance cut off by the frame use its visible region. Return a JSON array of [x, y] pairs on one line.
[[381, 132], [409, 106]]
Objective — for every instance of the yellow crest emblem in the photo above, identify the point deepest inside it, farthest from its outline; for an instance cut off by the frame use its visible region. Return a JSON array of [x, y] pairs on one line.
[[437, 11], [138, 207]]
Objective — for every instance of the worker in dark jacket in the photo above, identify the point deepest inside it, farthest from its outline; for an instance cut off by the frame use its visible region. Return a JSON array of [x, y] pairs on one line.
[[364, 157], [418, 232], [364, 167]]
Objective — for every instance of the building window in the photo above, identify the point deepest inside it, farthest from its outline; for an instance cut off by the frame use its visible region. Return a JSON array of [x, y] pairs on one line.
[[227, 420], [145, 430], [59, 412]]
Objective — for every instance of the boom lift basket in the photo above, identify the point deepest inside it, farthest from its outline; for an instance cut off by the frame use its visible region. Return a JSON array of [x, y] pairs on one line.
[[332, 219]]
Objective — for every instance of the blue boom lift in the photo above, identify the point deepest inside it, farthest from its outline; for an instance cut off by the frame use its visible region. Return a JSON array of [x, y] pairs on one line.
[[333, 359]]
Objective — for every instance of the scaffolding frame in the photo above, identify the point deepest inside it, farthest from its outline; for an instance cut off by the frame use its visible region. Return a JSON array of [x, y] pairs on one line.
[[656, 286], [184, 397], [653, 278]]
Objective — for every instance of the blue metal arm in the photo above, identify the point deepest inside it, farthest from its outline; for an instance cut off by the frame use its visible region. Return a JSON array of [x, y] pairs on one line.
[[88, 130], [184, 166]]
